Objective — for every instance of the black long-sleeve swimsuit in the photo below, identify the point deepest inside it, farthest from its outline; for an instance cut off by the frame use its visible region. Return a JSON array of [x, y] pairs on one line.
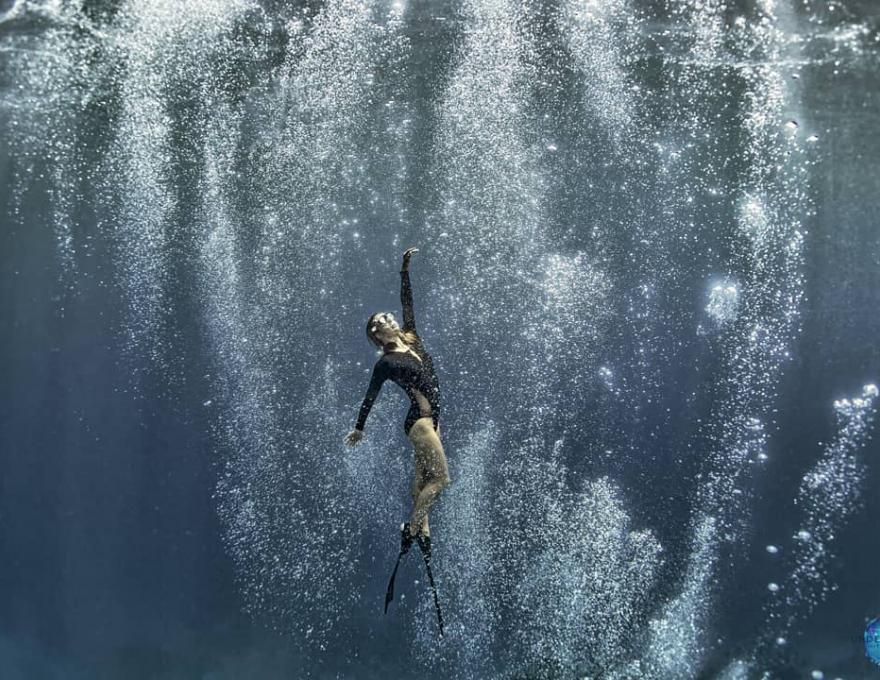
[[416, 378]]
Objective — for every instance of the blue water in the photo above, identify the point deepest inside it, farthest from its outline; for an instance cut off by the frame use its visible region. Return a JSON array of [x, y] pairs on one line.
[[647, 272]]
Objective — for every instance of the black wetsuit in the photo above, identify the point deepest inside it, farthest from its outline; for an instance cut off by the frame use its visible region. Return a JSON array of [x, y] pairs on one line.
[[416, 378]]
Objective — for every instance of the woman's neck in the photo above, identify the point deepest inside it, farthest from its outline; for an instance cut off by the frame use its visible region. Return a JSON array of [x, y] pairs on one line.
[[400, 346], [396, 345]]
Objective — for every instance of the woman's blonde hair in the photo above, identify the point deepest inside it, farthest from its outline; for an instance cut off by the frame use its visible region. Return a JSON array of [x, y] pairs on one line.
[[409, 337]]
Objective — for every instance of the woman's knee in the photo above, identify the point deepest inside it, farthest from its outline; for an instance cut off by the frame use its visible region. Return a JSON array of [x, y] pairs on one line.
[[436, 484], [443, 481], [438, 473]]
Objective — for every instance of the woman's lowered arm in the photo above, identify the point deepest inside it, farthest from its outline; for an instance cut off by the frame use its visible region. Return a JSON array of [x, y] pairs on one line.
[[380, 374]]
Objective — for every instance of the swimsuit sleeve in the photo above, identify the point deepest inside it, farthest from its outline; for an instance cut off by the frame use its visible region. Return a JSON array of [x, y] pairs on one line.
[[380, 375], [406, 302]]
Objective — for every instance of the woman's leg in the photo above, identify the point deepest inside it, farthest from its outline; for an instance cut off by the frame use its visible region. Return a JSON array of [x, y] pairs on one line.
[[432, 473], [419, 481]]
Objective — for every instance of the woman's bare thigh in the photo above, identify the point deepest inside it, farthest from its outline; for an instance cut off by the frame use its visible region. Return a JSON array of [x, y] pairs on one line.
[[430, 459]]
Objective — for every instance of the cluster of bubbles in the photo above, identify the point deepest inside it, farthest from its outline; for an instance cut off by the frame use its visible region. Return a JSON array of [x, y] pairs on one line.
[[251, 163], [586, 593], [829, 493], [723, 303]]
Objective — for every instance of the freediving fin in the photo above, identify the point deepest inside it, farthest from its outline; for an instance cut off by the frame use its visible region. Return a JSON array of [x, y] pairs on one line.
[[425, 547], [406, 539]]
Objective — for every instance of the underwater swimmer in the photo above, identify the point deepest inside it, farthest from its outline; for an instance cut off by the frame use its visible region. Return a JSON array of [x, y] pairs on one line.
[[406, 362]]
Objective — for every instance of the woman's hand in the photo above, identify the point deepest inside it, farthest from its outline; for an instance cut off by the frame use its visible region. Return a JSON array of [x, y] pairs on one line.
[[353, 437], [406, 256]]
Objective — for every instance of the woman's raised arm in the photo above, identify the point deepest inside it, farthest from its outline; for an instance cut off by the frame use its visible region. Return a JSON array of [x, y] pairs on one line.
[[406, 298]]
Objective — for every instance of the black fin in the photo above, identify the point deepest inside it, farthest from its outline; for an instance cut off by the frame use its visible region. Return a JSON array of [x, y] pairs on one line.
[[406, 539], [425, 546]]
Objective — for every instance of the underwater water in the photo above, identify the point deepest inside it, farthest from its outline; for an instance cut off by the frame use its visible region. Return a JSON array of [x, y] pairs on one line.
[[649, 275]]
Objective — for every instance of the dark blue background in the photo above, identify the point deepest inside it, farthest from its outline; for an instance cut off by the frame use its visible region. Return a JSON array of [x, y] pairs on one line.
[[111, 561]]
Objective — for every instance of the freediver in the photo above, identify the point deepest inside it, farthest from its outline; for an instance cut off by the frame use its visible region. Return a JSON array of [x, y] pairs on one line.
[[406, 362]]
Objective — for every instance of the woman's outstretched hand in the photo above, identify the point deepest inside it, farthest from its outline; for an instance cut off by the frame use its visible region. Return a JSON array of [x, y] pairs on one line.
[[353, 437], [406, 256]]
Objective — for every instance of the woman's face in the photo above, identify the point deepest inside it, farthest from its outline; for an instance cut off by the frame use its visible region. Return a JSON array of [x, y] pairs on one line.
[[384, 327]]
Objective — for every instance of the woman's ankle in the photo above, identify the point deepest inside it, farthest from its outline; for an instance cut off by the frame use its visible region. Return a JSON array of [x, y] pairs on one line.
[[415, 532]]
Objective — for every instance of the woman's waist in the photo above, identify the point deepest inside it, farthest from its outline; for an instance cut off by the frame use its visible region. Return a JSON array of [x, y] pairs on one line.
[[423, 403], [417, 401]]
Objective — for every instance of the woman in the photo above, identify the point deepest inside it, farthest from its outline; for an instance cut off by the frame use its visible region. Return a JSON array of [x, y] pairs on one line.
[[406, 362]]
